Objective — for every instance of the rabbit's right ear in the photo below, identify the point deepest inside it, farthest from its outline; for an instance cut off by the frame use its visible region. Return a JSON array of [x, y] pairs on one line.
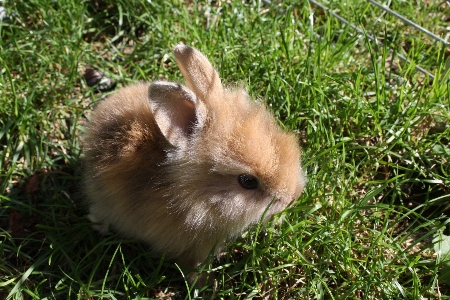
[[175, 111], [200, 74]]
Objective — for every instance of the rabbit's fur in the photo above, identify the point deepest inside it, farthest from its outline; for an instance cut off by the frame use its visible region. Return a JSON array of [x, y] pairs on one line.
[[162, 162]]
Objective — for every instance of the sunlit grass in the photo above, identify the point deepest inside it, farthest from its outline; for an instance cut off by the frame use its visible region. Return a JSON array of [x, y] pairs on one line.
[[374, 131]]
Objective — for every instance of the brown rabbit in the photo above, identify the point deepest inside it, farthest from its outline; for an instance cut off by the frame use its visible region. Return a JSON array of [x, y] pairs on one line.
[[187, 168]]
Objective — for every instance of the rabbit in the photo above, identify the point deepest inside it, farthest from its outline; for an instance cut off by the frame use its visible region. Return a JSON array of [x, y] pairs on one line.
[[187, 168]]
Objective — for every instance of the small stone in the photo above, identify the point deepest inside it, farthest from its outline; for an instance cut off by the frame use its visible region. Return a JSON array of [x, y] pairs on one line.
[[99, 80]]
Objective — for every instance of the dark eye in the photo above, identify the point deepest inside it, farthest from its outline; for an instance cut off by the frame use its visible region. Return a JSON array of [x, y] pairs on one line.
[[248, 181]]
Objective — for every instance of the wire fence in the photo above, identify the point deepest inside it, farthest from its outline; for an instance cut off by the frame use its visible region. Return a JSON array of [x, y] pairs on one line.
[[398, 16]]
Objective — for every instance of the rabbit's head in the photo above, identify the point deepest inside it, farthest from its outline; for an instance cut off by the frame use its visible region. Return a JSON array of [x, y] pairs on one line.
[[231, 162]]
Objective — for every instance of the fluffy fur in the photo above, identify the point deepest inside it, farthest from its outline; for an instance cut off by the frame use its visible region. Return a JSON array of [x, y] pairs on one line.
[[162, 162]]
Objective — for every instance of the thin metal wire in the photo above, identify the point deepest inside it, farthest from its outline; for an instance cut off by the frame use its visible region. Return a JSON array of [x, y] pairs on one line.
[[409, 22], [370, 37]]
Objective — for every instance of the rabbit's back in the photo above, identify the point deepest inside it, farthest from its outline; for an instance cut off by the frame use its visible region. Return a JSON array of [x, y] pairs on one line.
[[120, 127], [123, 148]]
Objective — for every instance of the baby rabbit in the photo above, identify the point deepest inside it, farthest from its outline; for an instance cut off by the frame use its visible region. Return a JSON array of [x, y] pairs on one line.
[[186, 168]]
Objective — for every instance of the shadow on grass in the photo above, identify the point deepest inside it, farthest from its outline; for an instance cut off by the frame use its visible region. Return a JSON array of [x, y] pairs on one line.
[[50, 244]]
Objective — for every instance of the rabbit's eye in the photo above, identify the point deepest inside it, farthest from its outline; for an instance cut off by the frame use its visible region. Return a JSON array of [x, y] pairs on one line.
[[248, 181]]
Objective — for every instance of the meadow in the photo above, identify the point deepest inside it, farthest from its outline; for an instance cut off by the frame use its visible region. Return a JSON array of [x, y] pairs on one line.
[[374, 219]]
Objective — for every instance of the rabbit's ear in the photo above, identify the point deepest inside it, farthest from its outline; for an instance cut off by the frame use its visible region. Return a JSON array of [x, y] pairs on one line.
[[200, 75], [174, 110]]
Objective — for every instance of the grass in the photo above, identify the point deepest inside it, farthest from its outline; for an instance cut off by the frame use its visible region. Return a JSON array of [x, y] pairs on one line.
[[373, 222]]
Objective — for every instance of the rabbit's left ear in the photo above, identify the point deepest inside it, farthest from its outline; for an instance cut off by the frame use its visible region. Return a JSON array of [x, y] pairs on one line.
[[200, 74], [174, 110]]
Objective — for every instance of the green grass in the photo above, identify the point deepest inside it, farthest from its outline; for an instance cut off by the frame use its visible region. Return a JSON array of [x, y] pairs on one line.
[[373, 222]]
